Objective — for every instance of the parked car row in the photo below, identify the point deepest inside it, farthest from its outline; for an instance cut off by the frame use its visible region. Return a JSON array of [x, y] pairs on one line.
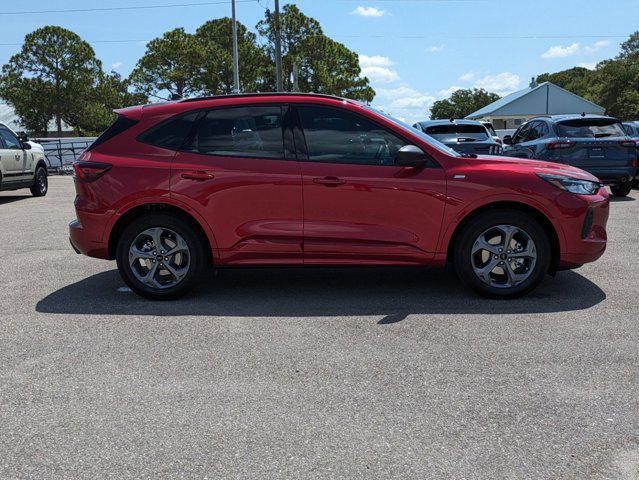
[[464, 136], [303, 179], [597, 144]]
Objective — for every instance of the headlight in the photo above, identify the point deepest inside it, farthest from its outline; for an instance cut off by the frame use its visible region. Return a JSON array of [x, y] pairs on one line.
[[572, 185]]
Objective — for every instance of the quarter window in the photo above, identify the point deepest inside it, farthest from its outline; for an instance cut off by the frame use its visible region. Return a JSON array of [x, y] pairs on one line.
[[172, 133], [10, 139], [338, 136], [241, 132]]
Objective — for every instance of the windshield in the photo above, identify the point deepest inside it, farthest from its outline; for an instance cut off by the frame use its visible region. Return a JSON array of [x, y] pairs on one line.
[[490, 129], [457, 133], [590, 128], [426, 138]]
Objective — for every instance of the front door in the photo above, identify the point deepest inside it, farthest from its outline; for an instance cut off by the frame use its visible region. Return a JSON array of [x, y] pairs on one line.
[[13, 156], [359, 207], [237, 173]]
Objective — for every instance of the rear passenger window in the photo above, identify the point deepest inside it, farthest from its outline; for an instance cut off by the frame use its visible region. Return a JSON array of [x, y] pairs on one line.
[[171, 133], [338, 136], [241, 132]]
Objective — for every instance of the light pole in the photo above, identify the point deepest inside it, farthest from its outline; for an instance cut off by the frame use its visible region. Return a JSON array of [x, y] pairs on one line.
[[236, 62], [278, 49]]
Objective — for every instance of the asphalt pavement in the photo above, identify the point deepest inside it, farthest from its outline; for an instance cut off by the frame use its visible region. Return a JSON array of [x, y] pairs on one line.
[[318, 373]]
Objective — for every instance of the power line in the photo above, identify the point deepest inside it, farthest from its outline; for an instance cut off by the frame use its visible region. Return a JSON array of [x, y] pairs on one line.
[[139, 7], [411, 37]]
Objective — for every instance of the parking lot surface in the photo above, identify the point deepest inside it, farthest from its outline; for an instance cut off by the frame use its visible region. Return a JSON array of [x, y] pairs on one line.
[[320, 373]]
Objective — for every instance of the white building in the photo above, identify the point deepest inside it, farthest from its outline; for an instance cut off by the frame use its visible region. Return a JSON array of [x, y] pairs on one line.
[[537, 100]]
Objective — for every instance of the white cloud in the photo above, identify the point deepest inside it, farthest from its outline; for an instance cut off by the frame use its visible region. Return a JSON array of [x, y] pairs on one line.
[[116, 65], [374, 61], [369, 12], [380, 74], [502, 83], [559, 51], [448, 91], [595, 47], [435, 48], [467, 77], [588, 65], [377, 68], [405, 102]]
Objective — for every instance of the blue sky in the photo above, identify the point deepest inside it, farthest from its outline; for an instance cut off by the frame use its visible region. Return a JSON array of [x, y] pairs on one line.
[[414, 51]]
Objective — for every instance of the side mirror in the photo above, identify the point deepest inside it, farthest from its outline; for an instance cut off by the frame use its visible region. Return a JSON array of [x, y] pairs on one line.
[[26, 146], [411, 156], [508, 140]]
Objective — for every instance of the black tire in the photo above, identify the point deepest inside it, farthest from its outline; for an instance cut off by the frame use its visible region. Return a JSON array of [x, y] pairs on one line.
[[197, 255], [463, 262], [40, 182], [621, 190]]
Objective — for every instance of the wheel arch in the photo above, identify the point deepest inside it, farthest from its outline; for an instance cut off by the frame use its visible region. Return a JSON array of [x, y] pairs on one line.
[[137, 211], [538, 215]]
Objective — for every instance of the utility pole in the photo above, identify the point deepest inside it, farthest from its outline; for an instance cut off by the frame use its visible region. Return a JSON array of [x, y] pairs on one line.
[[236, 62], [278, 49]]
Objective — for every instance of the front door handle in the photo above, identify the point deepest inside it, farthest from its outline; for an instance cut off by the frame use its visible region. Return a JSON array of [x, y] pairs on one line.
[[329, 181], [198, 175]]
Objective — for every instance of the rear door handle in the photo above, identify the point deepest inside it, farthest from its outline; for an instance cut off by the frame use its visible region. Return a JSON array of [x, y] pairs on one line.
[[329, 181], [198, 175]]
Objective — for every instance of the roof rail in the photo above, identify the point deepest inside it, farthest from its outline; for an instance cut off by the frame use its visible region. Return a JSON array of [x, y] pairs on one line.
[[266, 94]]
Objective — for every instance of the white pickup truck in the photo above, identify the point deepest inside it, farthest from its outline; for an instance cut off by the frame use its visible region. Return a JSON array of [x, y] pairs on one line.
[[22, 163]]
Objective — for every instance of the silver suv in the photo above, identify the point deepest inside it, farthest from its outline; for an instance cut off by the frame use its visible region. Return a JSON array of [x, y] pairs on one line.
[[22, 163]]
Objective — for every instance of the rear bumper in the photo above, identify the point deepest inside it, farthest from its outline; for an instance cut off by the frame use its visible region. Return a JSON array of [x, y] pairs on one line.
[[612, 176], [83, 241], [586, 235]]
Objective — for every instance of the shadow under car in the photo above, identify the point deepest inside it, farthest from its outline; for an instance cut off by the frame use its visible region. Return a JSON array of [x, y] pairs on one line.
[[393, 293]]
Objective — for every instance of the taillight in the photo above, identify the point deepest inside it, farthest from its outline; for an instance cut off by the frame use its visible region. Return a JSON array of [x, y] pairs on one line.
[[634, 162], [560, 144], [499, 141], [628, 143], [90, 171]]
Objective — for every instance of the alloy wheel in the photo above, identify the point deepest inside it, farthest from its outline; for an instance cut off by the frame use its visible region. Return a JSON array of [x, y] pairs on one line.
[[504, 256], [42, 181], [159, 258]]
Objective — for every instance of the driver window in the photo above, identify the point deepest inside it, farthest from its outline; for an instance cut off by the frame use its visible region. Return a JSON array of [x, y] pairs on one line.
[[10, 140], [533, 132], [520, 135], [339, 136]]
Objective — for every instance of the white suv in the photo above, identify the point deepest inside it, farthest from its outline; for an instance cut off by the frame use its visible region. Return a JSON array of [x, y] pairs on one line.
[[22, 163]]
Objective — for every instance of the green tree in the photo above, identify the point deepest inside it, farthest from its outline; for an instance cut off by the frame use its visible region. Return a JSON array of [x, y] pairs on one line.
[[462, 103], [50, 77], [615, 86], [324, 65], [577, 80], [256, 71], [174, 62], [110, 93], [630, 48]]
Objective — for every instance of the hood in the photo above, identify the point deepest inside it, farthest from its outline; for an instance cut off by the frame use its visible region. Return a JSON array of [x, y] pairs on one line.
[[36, 146], [535, 166]]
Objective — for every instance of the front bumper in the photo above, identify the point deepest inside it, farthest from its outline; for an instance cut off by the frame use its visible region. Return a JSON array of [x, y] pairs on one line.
[[585, 233]]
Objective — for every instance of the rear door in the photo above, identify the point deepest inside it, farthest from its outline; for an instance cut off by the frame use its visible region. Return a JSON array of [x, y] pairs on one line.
[[236, 171], [13, 156], [359, 207]]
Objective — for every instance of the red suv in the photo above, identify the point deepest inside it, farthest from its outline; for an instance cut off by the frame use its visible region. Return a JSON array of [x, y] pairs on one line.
[[294, 179]]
